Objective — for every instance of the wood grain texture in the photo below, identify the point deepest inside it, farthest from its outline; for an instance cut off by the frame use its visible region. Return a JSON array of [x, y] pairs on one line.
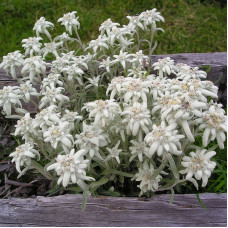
[[65, 210]]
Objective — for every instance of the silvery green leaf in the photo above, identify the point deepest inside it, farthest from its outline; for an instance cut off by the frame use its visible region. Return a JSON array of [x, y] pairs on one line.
[[173, 166], [41, 169], [94, 185], [159, 169], [194, 182], [84, 200], [172, 196]]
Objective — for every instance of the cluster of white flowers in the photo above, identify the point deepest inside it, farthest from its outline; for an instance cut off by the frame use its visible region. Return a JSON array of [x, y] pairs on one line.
[[104, 113]]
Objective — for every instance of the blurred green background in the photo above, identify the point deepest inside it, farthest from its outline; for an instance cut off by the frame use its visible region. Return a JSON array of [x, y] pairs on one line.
[[191, 25]]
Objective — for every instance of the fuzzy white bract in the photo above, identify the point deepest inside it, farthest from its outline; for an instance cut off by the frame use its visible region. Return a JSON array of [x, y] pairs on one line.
[[11, 62], [41, 26], [70, 22], [59, 134], [137, 118], [164, 139], [102, 111], [71, 168], [92, 138], [147, 183], [199, 165], [23, 156], [9, 97]]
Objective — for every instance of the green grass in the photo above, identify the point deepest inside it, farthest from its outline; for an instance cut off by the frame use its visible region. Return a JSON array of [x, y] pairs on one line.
[[190, 26]]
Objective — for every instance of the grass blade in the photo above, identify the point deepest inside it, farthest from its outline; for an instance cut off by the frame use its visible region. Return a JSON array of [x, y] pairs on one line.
[[200, 202]]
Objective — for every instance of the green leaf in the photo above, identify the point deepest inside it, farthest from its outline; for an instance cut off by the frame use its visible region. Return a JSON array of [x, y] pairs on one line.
[[206, 68], [200, 202], [215, 182], [109, 193], [76, 189], [108, 171], [173, 166], [84, 200], [194, 182], [218, 187], [41, 170], [95, 185], [172, 196], [159, 169], [213, 148], [221, 169], [55, 190], [99, 162], [168, 182]]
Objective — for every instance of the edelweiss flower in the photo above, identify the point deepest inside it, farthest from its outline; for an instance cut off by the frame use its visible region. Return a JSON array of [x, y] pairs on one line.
[[214, 122], [100, 42], [64, 38], [52, 95], [135, 22], [137, 57], [124, 43], [71, 168], [24, 127], [144, 176], [81, 61], [9, 96], [122, 58], [26, 90], [114, 152], [23, 156], [70, 22], [199, 165], [34, 66], [117, 34], [180, 109], [107, 25], [138, 149], [41, 27], [164, 66], [115, 86], [46, 118], [60, 64], [32, 45], [91, 139], [59, 134], [186, 72], [137, 118], [93, 82], [106, 63], [71, 117], [11, 62], [102, 111], [74, 72], [52, 80], [134, 89], [196, 89], [164, 139], [151, 17], [158, 86], [51, 47]]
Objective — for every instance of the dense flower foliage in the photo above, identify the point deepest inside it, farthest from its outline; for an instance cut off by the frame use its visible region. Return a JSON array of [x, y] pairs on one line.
[[104, 119]]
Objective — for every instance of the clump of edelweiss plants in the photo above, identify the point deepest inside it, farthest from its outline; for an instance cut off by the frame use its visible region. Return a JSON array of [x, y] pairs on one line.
[[110, 117]]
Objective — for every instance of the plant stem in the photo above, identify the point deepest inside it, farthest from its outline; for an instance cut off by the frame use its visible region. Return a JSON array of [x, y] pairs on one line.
[[165, 189]]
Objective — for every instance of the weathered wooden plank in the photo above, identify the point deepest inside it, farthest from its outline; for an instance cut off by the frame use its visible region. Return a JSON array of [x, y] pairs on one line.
[[65, 210]]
